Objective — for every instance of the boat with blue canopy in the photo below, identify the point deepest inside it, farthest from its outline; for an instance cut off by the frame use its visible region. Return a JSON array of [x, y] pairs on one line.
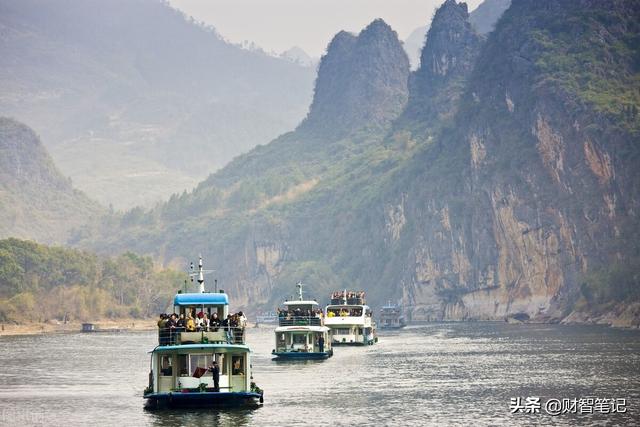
[[205, 366]]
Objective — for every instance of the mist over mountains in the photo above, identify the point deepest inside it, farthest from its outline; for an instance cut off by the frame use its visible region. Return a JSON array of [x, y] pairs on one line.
[[135, 101]]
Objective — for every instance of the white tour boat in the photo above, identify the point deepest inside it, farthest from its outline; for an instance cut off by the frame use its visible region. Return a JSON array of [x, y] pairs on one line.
[[301, 333], [350, 319]]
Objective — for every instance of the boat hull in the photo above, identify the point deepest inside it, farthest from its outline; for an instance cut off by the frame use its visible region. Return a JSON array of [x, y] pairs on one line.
[[300, 355], [203, 399]]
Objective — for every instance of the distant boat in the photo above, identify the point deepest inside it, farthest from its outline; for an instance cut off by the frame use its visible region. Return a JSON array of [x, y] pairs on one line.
[[350, 319], [182, 364], [391, 317], [266, 317], [301, 333]]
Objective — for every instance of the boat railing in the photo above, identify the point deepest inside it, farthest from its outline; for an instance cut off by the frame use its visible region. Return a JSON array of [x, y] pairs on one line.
[[300, 321], [221, 334]]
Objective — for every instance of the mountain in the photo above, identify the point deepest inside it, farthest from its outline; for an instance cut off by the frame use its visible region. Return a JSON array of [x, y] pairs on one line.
[[528, 204], [298, 56], [362, 82], [482, 19], [507, 186], [36, 200], [134, 100], [446, 61]]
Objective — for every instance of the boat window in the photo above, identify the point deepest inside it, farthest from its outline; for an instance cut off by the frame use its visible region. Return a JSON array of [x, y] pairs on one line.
[[166, 369], [341, 331], [183, 365], [299, 338], [199, 361], [237, 365]]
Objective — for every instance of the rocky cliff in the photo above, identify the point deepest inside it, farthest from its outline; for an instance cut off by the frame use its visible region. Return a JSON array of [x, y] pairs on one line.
[[361, 83], [446, 61], [541, 180]]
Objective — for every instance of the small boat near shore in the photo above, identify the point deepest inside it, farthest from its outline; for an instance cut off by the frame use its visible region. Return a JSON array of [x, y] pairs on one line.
[[391, 317], [210, 367], [350, 319], [301, 333]]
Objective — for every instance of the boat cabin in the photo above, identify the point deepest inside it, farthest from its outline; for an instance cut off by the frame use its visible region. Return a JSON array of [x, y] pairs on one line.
[[186, 367]]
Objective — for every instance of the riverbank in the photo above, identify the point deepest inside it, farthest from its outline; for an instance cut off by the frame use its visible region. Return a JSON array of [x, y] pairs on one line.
[[131, 324]]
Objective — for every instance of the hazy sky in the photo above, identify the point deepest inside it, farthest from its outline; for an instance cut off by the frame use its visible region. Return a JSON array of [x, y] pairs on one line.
[[277, 25]]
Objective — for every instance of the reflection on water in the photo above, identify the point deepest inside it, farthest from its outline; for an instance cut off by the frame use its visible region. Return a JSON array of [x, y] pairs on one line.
[[434, 374]]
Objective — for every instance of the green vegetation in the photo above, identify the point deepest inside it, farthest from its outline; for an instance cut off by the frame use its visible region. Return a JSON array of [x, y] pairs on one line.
[[618, 282], [589, 56], [40, 283]]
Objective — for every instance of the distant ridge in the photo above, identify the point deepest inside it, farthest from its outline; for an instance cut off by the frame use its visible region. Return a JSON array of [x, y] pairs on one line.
[[36, 201]]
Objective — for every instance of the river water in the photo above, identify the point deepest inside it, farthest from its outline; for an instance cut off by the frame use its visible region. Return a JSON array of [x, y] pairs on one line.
[[434, 374]]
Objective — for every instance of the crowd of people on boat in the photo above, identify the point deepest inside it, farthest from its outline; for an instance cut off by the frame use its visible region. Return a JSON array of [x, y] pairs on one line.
[[344, 312], [298, 312], [347, 294], [171, 324]]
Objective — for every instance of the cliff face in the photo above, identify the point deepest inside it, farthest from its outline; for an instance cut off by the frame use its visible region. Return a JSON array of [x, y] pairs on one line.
[[36, 201], [545, 182], [361, 83], [446, 61]]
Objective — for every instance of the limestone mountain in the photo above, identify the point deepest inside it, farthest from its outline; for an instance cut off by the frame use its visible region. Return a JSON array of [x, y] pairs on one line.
[[483, 19], [136, 101], [446, 61], [36, 200], [532, 190], [361, 83]]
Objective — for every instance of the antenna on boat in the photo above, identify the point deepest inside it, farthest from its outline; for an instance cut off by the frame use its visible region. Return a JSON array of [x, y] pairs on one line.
[[299, 285], [200, 275]]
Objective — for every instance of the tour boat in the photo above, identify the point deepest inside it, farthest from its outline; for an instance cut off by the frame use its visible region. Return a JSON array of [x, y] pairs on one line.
[[350, 319], [301, 333], [182, 364], [391, 317]]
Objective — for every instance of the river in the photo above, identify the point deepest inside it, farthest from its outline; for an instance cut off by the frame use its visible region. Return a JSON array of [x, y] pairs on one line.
[[433, 374]]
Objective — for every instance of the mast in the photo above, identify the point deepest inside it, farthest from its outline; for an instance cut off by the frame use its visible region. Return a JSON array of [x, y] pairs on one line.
[[299, 285], [200, 274]]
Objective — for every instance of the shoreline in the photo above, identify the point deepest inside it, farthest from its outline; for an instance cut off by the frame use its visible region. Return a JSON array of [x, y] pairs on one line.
[[103, 325]]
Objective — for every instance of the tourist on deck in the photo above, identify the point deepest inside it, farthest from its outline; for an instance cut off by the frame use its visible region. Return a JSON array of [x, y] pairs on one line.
[[191, 324], [321, 344], [181, 324], [214, 323]]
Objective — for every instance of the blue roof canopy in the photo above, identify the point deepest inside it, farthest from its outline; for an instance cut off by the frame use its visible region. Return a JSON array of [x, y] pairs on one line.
[[201, 299]]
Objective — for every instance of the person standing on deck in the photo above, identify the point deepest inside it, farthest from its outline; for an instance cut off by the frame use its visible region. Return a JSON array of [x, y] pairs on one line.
[[215, 372], [321, 344]]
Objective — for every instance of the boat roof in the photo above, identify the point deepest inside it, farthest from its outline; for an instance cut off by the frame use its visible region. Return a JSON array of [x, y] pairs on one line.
[[220, 348], [298, 302], [201, 299], [302, 329]]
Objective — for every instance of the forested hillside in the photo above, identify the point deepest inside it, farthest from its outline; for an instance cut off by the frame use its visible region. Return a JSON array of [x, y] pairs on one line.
[[40, 283], [36, 200]]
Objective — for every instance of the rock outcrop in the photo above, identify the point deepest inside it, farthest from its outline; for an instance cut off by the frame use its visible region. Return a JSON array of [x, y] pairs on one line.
[[361, 83], [446, 61]]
